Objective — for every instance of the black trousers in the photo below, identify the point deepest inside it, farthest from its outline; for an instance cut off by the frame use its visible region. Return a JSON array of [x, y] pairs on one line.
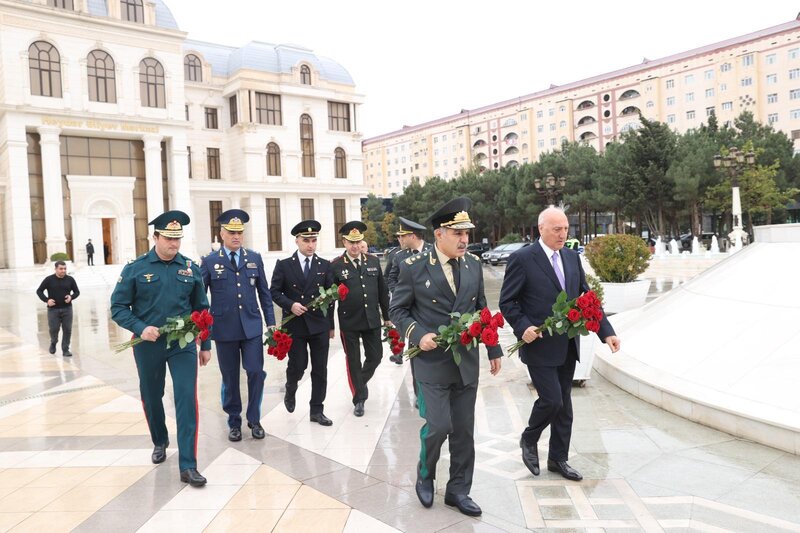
[[359, 374], [60, 318], [298, 362], [90, 259], [449, 412], [554, 405]]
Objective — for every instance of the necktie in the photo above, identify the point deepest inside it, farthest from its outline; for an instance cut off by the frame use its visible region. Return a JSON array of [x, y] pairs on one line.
[[559, 274], [307, 268], [414, 252], [357, 263], [233, 260], [456, 273]]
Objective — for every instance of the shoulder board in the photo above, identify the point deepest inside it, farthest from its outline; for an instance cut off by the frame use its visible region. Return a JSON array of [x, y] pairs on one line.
[[416, 257], [473, 256], [336, 259]]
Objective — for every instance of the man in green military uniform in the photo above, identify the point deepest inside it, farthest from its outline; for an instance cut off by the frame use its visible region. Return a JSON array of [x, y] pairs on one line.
[[159, 284], [360, 313], [431, 286]]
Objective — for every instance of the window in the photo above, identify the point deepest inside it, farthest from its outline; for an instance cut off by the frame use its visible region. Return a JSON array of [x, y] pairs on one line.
[[552, 142], [562, 124], [340, 217], [552, 127], [670, 84], [770, 59], [63, 4], [772, 79], [211, 118], [710, 111], [307, 145], [794, 73], [690, 97], [189, 160], [746, 82], [551, 111], [690, 115], [710, 93], [688, 79], [540, 144], [670, 119], [45, 69], [151, 83], [234, 110], [274, 241], [794, 114], [772, 118], [273, 160], [186, 112], [773, 98], [305, 75], [102, 79], [214, 211], [670, 100], [132, 10], [650, 103], [338, 116], [268, 109], [307, 208], [709, 74], [727, 106], [540, 128], [192, 68], [723, 87], [794, 53], [725, 67], [212, 159], [747, 60], [539, 114]]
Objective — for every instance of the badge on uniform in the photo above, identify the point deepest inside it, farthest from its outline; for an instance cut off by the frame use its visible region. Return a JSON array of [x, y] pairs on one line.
[[345, 273], [427, 284], [251, 265], [371, 269], [148, 276], [186, 272], [252, 282], [218, 267]]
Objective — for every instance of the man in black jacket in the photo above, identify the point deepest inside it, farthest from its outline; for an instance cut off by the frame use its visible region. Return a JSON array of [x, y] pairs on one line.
[[296, 281], [61, 290]]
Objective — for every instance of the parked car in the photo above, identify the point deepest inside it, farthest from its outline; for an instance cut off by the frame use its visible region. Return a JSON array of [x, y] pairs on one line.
[[500, 254], [478, 248], [374, 251]]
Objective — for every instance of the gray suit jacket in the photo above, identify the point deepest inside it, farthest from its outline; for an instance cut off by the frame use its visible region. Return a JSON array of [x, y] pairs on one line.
[[422, 301]]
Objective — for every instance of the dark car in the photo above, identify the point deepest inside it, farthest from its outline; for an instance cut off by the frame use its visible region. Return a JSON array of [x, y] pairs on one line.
[[478, 248], [500, 254]]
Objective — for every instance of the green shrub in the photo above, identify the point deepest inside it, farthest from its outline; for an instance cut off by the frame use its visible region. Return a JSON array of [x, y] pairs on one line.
[[511, 237], [594, 284], [618, 258], [59, 256]]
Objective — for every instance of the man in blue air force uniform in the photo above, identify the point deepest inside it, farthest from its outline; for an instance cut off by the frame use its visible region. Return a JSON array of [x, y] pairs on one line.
[[239, 295]]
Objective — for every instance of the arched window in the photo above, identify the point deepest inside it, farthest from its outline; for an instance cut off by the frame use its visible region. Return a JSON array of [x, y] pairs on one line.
[[45, 68], [132, 10], [307, 145], [305, 75], [63, 4], [630, 93], [586, 104], [273, 160], [151, 83], [588, 119], [340, 164], [630, 110], [102, 79], [192, 68]]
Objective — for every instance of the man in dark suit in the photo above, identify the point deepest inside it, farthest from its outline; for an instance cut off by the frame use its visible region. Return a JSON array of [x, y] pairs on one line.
[[296, 281], [360, 313], [412, 241], [431, 286], [535, 276], [235, 276]]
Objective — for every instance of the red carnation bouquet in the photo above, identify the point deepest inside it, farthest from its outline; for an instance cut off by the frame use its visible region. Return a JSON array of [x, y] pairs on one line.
[[279, 340], [467, 330], [392, 336], [180, 329], [579, 316]]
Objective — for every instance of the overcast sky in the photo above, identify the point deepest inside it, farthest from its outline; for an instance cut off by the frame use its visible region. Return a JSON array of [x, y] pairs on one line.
[[418, 60]]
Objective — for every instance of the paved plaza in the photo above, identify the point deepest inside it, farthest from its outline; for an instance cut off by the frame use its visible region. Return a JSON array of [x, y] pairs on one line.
[[75, 450]]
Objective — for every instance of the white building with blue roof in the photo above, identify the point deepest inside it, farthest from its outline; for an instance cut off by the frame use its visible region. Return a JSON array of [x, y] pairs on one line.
[[109, 116]]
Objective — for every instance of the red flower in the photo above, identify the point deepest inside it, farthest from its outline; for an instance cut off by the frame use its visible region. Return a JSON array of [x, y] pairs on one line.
[[396, 350], [593, 326], [498, 321], [475, 329], [465, 338], [486, 317], [574, 315], [394, 334], [489, 337], [196, 317], [401, 345], [342, 290], [204, 334], [583, 301]]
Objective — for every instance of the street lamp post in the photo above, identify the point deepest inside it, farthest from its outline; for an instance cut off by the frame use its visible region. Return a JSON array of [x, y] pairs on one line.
[[550, 187], [735, 162]]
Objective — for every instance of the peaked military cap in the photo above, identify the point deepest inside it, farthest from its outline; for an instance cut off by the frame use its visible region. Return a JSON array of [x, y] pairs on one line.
[[307, 228], [408, 226], [170, 224], [454, 214], [353, 231], [233, 219]]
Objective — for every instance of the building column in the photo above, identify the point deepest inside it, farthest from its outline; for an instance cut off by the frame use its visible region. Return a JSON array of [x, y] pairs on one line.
[[180, 197], [152, 168], [17, 227], [55, 238]]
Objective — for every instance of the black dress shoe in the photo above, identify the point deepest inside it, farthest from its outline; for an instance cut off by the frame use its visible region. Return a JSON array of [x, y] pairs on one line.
[[67, 353], [424, 488], [564, 469], [52, 347], [396, 359], [321, 419], [159, 454], [289, 401], [530, 456], [464, 504], [358, 410], [193, 477], [258, 431], [235, 434]]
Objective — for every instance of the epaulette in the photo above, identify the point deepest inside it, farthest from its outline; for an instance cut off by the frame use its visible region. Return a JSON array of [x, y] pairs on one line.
[[336, 259], [136, 258], [475, 257], [416, 257]]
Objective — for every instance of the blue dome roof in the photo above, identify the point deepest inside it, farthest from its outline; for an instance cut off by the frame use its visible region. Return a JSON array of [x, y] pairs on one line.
[[164, 18], [266, 57]]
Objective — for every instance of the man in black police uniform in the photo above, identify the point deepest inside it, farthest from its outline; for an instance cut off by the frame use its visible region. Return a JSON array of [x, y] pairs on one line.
[[360, 313], [238, 284], [431, 286], [296, 281]]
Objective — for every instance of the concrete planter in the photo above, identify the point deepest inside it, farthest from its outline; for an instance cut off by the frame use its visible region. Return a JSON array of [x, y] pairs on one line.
[[619, 297]]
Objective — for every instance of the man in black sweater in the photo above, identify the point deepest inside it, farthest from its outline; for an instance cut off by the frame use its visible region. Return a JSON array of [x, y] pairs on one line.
[[61, 290]]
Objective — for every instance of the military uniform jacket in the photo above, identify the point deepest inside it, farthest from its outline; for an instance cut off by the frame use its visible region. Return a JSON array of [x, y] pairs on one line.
[[289, 286], [422, 301], [393, 268], [368, 298], [149, 290], [237, 294]]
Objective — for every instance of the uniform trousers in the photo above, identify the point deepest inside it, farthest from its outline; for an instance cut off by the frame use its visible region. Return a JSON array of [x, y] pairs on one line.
[[232, 356], [152, 359], [359, 374], [298, 362]]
